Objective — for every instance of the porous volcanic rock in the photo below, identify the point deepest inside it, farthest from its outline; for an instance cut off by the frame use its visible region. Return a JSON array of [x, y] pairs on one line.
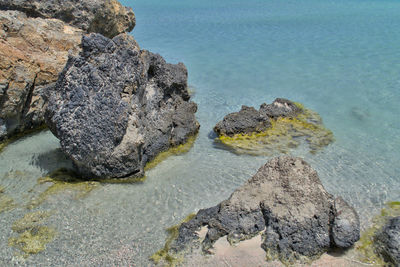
[[249, 120], [273, 129], [286, 203], [35, 40], [33, 51], [107, 17], [388, 241], [116, 107]]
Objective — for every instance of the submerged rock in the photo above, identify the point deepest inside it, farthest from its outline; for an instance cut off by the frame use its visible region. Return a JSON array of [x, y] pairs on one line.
[[286, 203], [116, 107], [388, 241], [275, 127], [107, 17]]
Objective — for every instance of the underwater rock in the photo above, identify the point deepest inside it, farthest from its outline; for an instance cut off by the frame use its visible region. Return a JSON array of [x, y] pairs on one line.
[[388, 241], [286, 203], [107, 17], [116, 107], [33, 235], [275, 127]]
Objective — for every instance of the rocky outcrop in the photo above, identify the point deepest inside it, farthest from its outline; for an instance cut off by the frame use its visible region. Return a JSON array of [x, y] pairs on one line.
[[33, 51], [388, 241], [35, 40], [116, 107], [274, 128], [107, 17], [286, 203]]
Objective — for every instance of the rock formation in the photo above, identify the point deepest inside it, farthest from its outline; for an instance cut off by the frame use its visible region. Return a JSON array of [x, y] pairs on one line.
[[34, 48], [275, 127], [388, 241], [116, 107], [107, 17], [32, 53], [285, 202]]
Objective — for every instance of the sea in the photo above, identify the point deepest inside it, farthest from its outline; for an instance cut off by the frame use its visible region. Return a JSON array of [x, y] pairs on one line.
[[340, 58]]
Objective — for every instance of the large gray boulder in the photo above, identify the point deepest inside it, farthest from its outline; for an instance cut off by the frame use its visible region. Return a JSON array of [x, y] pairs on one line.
[[116, 107], [285, 201], [107, 17], [387, 241]]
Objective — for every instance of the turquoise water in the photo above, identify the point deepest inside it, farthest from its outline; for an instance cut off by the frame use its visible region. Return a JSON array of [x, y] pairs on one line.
[[339, 58]]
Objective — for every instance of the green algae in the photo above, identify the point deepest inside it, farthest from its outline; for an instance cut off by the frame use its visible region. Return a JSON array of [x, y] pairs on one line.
[[284, 134], [4, 143], [6, 202], [176, 150], [125, 180], [63, 180], [164, 254], [367, 246], [33, 236]]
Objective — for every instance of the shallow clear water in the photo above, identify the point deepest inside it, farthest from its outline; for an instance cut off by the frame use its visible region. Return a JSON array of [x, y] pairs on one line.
[[339, 58]]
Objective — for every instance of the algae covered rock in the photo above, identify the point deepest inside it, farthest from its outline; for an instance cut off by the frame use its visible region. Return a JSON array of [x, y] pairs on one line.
[[286, 203], [107, 17], [116, 107], [379, 243], [33, 234], [275, 127], [388, 241]]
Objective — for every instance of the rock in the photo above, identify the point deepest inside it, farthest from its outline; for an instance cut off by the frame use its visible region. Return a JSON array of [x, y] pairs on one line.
[[388, 241], [107, 17], [116, 107], [246, 121], [32, 53], [280, 108], [274, 128], [286, 203], [34, 48], [346, 225]]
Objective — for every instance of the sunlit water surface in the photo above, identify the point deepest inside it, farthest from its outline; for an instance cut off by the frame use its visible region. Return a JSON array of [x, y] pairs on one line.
[[339, 58]]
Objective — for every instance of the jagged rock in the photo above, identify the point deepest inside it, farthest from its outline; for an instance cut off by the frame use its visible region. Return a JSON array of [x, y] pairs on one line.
[[286, 202], [246, 121], [388, 241], [107, 17], [34, 48], [33, 51], [116, 107], [274, 128]]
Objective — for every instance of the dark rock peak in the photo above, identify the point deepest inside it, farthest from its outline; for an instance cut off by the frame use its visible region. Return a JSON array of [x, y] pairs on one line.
[[116, 107], [285, 201]]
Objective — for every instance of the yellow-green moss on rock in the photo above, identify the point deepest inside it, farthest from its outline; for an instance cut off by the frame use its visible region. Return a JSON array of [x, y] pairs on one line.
[[164, 255], [33, 236], [63, 180], [366, 246], [6, 202], [176, 150], [284, 134]]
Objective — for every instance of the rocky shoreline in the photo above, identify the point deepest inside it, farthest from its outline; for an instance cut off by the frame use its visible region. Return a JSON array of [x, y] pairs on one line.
[[118, 110]]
